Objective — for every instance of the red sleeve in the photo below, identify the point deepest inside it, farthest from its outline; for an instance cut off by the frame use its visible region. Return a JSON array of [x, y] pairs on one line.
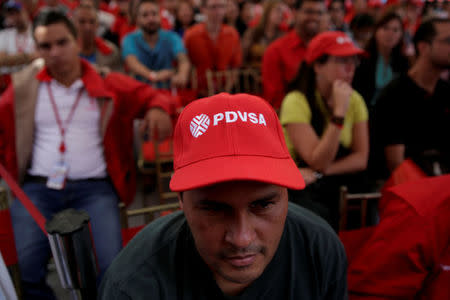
[[272, 77], [396, 260], [137, 97], [7, 132]]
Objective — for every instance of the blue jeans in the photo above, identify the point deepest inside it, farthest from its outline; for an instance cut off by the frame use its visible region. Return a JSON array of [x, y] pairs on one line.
[[97, 198]]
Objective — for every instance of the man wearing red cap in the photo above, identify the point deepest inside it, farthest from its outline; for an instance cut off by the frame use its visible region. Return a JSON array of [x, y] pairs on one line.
[[237, 236]]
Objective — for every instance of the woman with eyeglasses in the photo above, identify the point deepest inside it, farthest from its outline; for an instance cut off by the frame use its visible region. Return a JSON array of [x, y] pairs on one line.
[[325, 123]]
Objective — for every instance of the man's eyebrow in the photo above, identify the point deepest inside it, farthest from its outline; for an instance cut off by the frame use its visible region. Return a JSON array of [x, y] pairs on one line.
[[267, 197]]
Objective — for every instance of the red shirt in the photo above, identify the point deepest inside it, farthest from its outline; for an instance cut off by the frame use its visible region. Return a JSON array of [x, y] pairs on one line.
[[408, 255], [225, 53], [280, 65]]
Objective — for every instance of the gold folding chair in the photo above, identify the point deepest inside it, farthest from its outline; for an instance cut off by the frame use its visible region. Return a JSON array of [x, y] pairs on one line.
[[249, 81], [355, 202], [159, 164], [221, 81]]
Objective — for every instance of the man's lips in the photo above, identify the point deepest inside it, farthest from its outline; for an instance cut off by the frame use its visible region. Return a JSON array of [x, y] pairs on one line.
[[241, 260]]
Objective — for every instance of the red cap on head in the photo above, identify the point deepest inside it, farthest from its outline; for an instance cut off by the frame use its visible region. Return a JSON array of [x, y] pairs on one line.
[[334, 43], [231, 137]]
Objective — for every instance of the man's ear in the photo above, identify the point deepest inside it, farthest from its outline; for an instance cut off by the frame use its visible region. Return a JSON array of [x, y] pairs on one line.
[[180, 199]]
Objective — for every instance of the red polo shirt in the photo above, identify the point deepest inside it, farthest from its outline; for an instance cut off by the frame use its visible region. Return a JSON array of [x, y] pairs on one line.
[[280, 65], [204, 53], [408, 255]]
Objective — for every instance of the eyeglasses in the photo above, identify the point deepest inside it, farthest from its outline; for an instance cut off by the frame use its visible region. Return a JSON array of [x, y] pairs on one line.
[[346, 60]]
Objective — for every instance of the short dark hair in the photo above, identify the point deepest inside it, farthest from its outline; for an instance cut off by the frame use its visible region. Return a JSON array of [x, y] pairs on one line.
[[427, 31], [363, 20], [342, 2], [299, 3], [50, 17], [146, 1]]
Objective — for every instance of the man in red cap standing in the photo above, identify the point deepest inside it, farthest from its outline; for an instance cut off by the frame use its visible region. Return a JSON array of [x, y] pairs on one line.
[[237, 235]]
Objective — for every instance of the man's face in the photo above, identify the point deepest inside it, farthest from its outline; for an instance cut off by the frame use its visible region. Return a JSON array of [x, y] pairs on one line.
[[148, 18], [439, 53], [85, 20], [17, 19], [215, 10], [58, 47], [308, 18], [237, 227], [337, 13]]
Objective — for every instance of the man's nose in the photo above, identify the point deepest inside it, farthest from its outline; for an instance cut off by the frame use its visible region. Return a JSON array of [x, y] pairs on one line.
[[240, 230]]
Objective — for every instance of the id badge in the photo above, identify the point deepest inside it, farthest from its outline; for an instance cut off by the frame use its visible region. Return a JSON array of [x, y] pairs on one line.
[[57, 179]]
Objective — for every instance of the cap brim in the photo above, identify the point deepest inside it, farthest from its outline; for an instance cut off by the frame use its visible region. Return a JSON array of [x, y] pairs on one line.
[[282, 172], [348, 52]]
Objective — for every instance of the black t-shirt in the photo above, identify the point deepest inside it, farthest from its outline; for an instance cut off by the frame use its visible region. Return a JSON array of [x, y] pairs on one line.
[[407, 114], [161, 262]]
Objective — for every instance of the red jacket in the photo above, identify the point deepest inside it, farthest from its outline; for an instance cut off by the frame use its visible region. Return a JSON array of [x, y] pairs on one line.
[[121, 98], [408, 255]]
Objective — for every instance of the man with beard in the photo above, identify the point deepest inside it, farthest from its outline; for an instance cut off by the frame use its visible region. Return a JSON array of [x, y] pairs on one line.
[[94, 49], [283, 57], [413, 112], [150, 52], [237, 237]]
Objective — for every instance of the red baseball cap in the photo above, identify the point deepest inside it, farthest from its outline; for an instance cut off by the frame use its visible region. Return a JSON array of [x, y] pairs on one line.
[[231, 137], [334, 43]]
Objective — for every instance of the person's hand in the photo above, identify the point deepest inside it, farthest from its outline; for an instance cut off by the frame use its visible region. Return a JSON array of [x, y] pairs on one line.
[[157, 124], [179, 80], [163, 75], [341, 92], [309, 175], [34, 55]]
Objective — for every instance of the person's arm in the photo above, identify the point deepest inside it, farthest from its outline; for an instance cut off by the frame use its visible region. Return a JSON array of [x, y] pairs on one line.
[[398, 257], [181, 78], [138, 99], [395, 155], [357, 159], [10, 60], [320, 152], [317, 152], [138, 68]]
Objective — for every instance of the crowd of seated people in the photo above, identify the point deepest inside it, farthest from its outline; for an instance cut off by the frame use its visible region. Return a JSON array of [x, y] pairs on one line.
[[359, 86]]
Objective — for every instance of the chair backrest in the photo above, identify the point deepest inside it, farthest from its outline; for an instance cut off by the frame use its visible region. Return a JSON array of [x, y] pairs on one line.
[[156, 159], [246, 80], [150, 213], [249, 81], [221, 81], [355, 202]]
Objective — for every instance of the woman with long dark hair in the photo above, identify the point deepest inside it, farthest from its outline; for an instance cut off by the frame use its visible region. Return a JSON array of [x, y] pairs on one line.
[[325, 123], [256, 39], [385, 58]]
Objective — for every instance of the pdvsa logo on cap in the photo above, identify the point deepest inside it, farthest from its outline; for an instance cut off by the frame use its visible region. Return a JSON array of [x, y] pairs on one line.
[[343, 39], [199, 125]]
